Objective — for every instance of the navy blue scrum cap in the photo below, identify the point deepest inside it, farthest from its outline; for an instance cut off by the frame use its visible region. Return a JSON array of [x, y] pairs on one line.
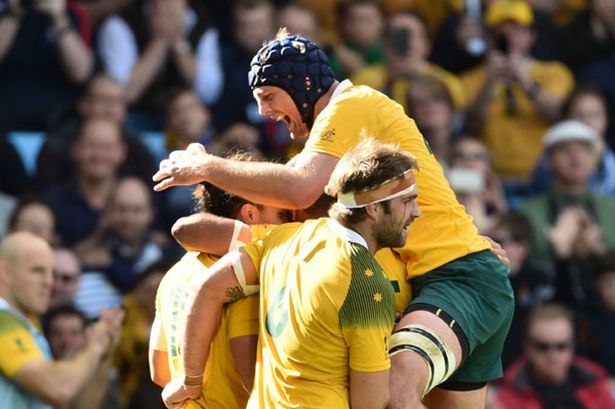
[[296, 65]]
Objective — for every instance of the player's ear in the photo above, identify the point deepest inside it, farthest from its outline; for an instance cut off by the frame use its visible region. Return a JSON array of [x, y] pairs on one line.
[[249, 213], [373, 211]]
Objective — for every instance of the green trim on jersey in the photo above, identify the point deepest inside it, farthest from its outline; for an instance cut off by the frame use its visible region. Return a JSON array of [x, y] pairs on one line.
[[370, 301], [9, 323]]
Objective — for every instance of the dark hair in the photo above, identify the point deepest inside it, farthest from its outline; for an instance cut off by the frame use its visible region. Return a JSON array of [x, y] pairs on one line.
[[62, 310], [605, 264], [582, 91], [518, 225], [363, 168], [344, 7], [218, 202], [24, 202]]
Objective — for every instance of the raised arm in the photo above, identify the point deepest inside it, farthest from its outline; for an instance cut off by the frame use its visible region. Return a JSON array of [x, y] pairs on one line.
[[76, 58], [266, 183], [219, 286]]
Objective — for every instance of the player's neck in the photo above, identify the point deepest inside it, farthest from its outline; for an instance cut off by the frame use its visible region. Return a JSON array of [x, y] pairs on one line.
[[365, 231], [324, 100]]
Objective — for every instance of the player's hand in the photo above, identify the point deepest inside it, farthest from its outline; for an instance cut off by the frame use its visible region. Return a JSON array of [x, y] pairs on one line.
[[564, 232], [182, 168], [175, 395], [498, 250], [54, 8]]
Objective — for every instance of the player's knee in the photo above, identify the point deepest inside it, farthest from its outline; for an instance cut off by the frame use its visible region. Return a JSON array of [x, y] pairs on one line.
[[425, 343]]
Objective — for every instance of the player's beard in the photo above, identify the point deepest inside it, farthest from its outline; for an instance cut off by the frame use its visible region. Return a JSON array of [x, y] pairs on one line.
[[391, 234]]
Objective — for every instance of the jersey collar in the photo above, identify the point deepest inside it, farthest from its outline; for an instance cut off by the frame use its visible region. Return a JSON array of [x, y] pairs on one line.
[[341, 87], [346, 233]]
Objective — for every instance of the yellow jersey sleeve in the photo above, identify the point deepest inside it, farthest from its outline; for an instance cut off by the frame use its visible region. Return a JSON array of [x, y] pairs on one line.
[[260, 231], [254, 250], [242, 317], [18, 346], [160, 336], [336, 129], [553, 77], [367, 314]]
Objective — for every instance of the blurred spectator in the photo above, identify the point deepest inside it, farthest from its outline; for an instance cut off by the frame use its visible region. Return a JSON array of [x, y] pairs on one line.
[[461, 40], [600, 74], [361, 23], [475, 183], [549, 375], [514, 232], [103, 98], [513, 97], [153, 46], [571, 224], [253, 24], [590, 35], [66, 277], [34, 216], [97, 152], [123, 243], [432, 12], [66, 331], [406, 48], [431, 106], [301, 20], [29, 375], [587, 105], [187, 121], [100, 10], [600, 316], [131, 356], [13, 177], [32, 83]]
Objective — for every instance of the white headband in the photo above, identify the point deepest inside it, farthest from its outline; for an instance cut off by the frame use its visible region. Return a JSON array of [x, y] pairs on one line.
[[390, 189]]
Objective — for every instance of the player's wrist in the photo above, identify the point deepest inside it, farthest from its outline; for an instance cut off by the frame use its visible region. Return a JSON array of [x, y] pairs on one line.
[[192, 381]]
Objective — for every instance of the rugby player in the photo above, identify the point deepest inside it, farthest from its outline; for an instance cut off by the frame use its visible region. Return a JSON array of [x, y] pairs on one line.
[[448, 344], [327, 308]]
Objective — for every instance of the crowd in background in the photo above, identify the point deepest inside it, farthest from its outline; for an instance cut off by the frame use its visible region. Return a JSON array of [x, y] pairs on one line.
[[516, 100]]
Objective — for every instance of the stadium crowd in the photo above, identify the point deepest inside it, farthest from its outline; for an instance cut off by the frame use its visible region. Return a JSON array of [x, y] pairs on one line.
[[516, 99]]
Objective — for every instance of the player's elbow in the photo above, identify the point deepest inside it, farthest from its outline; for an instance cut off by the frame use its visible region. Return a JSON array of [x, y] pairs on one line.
[[302, 197], [158, 379], [62, 398], [182, 231]]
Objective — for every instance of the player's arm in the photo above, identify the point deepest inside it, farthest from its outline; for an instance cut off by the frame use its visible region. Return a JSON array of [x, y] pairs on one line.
[[59, 382], [287, 187], [158, 355], [208, 233], [244, 353], [369, 390], [226, 281]]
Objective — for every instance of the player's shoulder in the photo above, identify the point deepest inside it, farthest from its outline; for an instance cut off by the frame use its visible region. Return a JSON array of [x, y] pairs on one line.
[[9, 322]]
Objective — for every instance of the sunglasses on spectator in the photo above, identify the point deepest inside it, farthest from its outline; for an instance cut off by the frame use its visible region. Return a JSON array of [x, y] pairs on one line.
[[542, 346], [64, 277]]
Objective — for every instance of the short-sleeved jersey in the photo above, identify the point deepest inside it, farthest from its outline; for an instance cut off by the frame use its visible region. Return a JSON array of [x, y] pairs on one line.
[[395, 270], [445, 231], [515, 141], [222, 386], [326, 307], [20, 343]]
